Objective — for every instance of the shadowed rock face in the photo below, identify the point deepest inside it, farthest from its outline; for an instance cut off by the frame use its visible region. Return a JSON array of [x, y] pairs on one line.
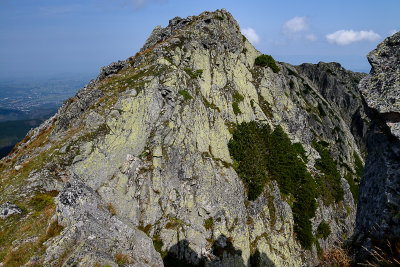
[[141, 161], [379, 204]]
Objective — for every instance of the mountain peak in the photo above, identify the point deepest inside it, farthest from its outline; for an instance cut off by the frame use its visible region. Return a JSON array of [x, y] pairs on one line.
[[197, 150], [209, 29]]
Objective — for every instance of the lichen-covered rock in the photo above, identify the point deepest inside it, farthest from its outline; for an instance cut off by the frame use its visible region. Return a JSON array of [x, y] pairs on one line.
[[93, 235], [74, 107], [145, 146]]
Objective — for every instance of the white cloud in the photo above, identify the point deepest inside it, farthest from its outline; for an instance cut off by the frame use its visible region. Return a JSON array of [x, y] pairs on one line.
[[295, 25], [298, 28], [251, 35], [345, 37], [391, 32], [311, 37]]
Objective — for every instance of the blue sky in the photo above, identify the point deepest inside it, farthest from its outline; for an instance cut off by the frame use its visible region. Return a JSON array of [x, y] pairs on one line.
[[46, 37]]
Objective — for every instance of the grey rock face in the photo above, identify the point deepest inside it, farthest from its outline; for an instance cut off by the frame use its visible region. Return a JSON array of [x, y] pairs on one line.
[[340, 88], [74, 107], [381, 88], [111, 69], [94, 235], [8, 209], [378, 209], [94, 120], [379, 200]]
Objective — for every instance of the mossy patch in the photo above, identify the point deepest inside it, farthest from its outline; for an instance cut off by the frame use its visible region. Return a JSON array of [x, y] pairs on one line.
[[193, 74], [236, 109], [237, 98], [209, 223], [207, 104], [11, 179], [186, 95], [39, 202], [174, 223], [158, 245]]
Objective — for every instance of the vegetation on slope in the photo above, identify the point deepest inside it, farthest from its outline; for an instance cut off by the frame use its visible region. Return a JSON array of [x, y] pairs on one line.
[[23, 235], [261, 155], [359, 166], [237, 98], [329, 184], [323, 230], [267, 60]]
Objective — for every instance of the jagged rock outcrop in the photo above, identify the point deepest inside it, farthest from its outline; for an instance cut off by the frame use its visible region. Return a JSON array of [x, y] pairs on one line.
[[378, 223], [141, 157], [381, 89]]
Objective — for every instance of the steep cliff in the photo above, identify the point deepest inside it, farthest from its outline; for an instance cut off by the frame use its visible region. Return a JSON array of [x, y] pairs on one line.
[[378, 224], [155, 161]]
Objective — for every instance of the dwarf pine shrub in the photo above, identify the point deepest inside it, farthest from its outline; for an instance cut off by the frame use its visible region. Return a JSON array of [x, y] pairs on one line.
[[261, 155]]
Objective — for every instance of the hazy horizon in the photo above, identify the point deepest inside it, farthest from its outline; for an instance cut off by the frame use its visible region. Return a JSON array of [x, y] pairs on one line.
[[45, 38]]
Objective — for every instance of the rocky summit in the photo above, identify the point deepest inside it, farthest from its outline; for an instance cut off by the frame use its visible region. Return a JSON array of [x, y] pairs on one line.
[[201, 151]]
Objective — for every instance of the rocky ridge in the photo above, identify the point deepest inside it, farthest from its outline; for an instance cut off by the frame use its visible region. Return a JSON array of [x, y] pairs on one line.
[[136, 169]]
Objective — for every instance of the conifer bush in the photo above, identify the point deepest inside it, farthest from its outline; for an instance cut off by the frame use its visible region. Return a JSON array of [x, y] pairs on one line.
[[267, 60], [323, 230], [330, 182], [262, 155]]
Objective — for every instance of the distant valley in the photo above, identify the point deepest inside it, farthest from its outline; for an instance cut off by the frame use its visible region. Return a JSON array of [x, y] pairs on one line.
[[26, 103]]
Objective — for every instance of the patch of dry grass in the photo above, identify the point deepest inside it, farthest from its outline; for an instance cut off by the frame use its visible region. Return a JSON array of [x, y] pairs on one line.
[[336, 257], [386, 254]]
